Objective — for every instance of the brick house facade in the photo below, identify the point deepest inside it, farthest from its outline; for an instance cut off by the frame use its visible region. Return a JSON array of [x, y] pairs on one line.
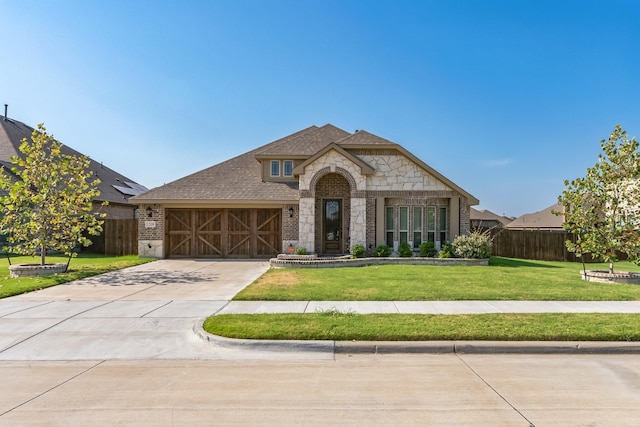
[[322, 188]]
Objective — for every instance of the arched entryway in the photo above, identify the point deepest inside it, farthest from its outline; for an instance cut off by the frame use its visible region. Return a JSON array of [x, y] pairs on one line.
[[333, 209]]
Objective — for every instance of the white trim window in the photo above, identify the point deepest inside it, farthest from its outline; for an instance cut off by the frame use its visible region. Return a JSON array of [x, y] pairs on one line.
[[275, 167], [404, 224], [389, 226], [417, 226], [287, 168], [443, 225], [431, 224]]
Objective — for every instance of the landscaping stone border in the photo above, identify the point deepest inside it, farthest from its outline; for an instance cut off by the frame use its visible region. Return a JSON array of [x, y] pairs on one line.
[[313, 261], [601, 276], [31, 270]]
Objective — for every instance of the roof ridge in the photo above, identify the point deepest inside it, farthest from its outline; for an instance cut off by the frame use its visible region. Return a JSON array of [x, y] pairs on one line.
[[285, 139], [360, 132]]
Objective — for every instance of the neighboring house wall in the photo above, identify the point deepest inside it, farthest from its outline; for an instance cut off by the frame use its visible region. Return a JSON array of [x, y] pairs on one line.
[[115, 211]]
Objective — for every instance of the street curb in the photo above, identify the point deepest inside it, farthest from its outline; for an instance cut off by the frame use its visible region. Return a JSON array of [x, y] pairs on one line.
[[422, 347], [263, 345]]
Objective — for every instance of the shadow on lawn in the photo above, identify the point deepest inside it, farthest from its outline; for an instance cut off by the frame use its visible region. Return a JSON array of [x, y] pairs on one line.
[[511, 262]]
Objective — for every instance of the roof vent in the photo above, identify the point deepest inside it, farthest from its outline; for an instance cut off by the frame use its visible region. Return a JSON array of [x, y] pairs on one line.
[[6, 106]]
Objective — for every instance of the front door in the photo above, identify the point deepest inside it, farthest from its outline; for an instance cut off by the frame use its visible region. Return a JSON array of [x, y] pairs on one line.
[[332, 226]]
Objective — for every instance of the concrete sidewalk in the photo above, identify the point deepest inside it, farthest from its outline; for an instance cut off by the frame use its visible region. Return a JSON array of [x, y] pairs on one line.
[[427, 307], [430, 307]]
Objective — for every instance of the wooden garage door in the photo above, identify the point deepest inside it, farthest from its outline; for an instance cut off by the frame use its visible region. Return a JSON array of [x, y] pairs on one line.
[[222, 233]]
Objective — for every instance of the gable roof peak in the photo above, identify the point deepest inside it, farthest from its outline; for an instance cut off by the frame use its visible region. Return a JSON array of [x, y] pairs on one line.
[[303, 144]]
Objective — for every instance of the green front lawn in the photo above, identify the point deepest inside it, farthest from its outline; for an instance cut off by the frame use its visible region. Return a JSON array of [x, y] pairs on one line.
[[84, 265], [412, 327], [503, 279]]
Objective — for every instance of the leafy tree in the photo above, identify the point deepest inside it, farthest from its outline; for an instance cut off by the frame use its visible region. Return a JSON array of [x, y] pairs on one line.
[[47, 202], [603, 208]]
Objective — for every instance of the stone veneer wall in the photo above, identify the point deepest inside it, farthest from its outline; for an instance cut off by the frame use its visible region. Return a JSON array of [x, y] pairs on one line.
[[395, 172], [151, 232], [331, 161], [358, 228], [306, 224], [397, 179]]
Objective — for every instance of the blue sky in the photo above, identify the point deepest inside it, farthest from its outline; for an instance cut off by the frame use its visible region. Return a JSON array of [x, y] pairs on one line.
[[505, 98]]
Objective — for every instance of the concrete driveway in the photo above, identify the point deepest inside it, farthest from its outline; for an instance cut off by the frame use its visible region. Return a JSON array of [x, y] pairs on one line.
[[143, 312]]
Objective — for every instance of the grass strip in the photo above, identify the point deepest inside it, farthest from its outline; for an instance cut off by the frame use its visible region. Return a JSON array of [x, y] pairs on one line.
[[84, 265], [503, 279], [333, 325]]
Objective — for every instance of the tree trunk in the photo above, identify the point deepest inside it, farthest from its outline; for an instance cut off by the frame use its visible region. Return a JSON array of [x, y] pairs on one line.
[[610, 268], [43, 254]]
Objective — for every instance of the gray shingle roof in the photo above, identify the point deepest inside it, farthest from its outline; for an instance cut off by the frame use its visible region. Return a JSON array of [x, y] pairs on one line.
[[487, 215], [11, 134], [541, 220], [362, 137], [306, 143], [239, 179]]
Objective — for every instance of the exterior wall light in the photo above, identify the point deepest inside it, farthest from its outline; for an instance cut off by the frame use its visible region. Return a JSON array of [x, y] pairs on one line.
[[290, 212], [149, 212]]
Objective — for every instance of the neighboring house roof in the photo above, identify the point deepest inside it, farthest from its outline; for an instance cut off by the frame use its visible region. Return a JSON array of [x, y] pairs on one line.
[[114, 187], [239, 180], [541, 220], [487, 217]]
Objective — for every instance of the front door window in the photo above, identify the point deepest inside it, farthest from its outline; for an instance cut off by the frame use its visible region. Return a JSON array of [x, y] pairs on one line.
[[332, 226]]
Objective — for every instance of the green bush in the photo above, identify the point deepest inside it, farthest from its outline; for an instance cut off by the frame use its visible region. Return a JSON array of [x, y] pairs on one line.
[[446, 251], [357, 251], [473, 245], [382, 251], [404, 250], [427, 249], [301, 250]]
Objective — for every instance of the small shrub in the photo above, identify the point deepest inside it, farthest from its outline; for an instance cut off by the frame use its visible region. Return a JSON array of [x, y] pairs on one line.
[[404, 250], [301, 250], [446, 251], [474, 245], [427, 249], [357, 251], [382, 251]]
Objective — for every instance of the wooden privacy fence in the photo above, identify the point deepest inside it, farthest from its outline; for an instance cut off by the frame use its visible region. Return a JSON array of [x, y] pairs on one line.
[[119, 237], [533, 244]]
